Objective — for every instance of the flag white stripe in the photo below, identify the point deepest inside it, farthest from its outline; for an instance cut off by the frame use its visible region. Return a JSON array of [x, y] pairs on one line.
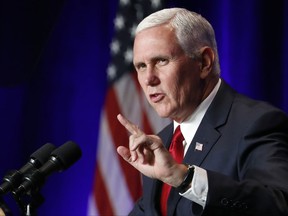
[[127, 94], [92, 210], [111, 170]]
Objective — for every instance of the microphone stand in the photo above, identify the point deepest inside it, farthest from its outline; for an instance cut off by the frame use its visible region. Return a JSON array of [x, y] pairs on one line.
[[27, 195], [29, 202], [30, 198]]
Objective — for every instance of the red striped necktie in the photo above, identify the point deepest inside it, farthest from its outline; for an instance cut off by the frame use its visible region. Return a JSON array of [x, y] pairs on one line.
[[176, 149]]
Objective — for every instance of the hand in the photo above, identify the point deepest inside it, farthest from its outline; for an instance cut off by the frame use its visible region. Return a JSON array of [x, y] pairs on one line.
[[148, 155], [2, 212]]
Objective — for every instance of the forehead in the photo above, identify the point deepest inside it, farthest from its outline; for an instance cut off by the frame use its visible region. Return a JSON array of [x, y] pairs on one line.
[[160, 40]]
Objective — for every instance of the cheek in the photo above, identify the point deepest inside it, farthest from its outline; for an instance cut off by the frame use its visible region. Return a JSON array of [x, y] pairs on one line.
[[185, 88], [144, 88], [139, 77], [174, 90], [141, 81]]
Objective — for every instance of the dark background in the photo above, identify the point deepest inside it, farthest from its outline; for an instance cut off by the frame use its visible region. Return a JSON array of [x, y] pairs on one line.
[[53, 59]]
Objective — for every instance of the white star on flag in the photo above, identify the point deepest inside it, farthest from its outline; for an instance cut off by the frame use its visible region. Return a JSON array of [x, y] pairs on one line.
[[155, 3], [119, 22], [115, 47], [128, 55]]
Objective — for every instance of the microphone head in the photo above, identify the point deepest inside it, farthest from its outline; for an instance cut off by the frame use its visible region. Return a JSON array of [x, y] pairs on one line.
[[67, 154], [13, 178], [60, 159], [41, 155]]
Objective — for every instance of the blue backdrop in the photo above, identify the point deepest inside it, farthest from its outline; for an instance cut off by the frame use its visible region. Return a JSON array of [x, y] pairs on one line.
[[53, 59]]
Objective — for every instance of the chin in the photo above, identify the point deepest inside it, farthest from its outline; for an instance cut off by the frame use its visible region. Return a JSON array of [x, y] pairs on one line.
[[162, 110], [162, 114]]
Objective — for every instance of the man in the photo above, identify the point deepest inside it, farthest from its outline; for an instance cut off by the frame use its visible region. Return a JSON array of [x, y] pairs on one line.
[[235, 149]]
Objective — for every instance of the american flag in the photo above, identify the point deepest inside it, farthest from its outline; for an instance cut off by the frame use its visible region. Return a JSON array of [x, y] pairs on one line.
[[117, 185]]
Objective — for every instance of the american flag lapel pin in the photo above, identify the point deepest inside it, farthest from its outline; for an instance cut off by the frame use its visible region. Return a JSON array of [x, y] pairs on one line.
[[198, 146]]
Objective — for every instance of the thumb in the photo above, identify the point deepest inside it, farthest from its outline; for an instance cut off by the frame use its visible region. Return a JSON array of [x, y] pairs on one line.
[[124, 153]]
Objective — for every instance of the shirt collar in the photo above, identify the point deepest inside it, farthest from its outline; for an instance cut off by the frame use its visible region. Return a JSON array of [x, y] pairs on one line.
[[195, 119]]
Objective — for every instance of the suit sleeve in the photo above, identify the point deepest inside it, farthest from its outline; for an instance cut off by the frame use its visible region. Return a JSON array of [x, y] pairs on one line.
[[138, 209], [262, 163]]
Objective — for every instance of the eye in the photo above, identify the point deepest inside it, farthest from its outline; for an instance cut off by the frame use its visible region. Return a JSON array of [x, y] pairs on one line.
[[162, 61], [140, 66]]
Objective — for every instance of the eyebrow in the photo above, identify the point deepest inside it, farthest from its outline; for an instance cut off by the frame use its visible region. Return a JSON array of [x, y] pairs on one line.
[[153, 59]]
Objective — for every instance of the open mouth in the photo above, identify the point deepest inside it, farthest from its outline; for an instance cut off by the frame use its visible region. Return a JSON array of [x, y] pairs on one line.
[[155, 98]]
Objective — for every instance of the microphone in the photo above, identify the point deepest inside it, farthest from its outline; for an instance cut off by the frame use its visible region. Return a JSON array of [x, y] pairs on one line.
[[13, 178], [60, 159]]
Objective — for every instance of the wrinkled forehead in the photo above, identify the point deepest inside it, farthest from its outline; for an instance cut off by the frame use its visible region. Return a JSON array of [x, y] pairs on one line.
[[160, 40]]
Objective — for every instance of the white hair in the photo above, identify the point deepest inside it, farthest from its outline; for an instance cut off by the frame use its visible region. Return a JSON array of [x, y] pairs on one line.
[[192, 30]]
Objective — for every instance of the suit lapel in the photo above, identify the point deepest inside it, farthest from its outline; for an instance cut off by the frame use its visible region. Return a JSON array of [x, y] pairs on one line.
[[195, 157], [206, 135], [166, 135], [155, 186], [204, 139]]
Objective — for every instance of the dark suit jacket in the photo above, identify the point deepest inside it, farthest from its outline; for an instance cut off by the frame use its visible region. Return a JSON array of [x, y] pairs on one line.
[[245, 153]]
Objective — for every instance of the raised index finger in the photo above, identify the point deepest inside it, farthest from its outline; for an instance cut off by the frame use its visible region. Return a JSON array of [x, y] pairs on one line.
[[132, 128]]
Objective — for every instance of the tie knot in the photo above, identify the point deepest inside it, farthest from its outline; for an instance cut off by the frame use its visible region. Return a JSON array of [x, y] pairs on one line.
[[178, 136], [176, 148]]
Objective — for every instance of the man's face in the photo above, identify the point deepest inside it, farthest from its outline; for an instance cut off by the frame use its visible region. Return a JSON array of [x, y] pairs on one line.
[[169, 78]]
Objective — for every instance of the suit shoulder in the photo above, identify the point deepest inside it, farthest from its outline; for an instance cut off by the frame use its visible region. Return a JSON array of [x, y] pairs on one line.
[[255, 107]]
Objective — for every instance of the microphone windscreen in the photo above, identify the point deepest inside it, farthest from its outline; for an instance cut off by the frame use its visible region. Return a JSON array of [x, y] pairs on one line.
[[67, 154], [42, 154]]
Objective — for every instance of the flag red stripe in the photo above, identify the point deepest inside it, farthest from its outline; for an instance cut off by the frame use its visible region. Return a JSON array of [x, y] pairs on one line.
[[101, 195], [120, 137]]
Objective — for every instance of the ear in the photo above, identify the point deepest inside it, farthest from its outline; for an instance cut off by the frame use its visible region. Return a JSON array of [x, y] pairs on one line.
[[207, 61]]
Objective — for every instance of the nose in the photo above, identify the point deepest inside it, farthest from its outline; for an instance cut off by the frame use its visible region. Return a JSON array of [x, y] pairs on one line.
[[151, 78]]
